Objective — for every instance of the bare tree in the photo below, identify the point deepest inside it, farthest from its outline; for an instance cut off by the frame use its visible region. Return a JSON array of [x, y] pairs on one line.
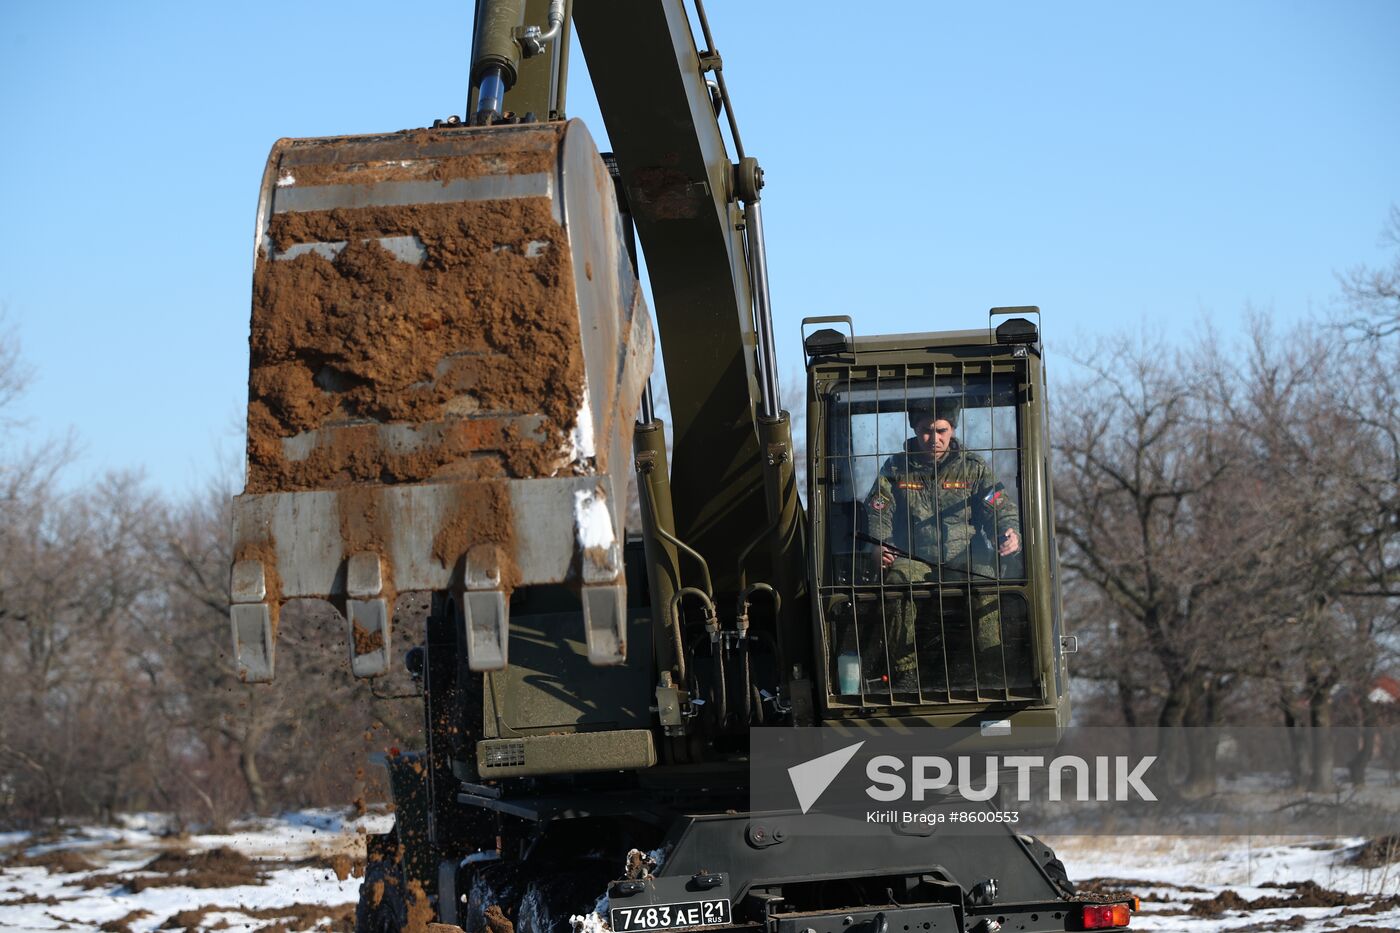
[[1228, 513], [1372, 296], [1160, 527]]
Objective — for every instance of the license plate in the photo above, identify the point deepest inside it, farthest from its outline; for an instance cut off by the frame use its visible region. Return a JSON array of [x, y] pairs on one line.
[[666, 916]]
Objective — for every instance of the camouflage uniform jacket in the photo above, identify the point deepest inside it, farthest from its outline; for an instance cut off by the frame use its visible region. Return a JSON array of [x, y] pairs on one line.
[[934, 510]]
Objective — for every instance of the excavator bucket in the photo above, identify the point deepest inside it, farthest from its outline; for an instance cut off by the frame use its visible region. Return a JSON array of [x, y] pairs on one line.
[[448, 346]]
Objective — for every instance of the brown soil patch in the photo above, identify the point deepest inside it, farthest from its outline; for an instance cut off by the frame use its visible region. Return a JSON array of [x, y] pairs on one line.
[[31, 899], [480, 516], [305, 917], [510, 153], [192, 919], [1376, 852], [1291, 923], [485, 324], [56, 862], [1130, 884], [215, 868], [220, 860], [366, 642], [340, 917], [497, 922], [1305, 894], [1390, 902], [123, 923]]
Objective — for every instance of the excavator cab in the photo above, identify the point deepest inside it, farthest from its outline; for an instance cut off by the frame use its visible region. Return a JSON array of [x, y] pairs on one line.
[[933, 557]]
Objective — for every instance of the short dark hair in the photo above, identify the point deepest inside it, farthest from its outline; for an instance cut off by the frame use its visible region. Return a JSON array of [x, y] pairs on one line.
[[946, 409]]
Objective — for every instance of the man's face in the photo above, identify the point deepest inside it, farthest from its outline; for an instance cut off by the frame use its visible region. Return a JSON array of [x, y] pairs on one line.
[[933, 436]]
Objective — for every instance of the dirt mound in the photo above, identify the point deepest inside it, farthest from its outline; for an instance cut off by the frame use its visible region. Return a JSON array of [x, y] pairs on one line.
[[30, 899], [1106, 885], [339, 918], [123, 923], [213, 868], [1375, 853], [1304, 894], [192, 919], [56, 862], [306, 917], [209, 860]]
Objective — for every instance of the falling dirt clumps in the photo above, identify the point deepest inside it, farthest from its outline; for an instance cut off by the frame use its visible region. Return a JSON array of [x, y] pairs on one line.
[[420, 909], [465, 365], [497, 921], [343, 865]]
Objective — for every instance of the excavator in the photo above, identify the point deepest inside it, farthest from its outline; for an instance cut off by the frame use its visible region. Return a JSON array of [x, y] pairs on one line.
[[449, 394]]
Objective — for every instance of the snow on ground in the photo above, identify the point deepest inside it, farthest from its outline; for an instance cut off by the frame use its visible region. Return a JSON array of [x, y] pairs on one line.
[[294, 872], [1205, 884]]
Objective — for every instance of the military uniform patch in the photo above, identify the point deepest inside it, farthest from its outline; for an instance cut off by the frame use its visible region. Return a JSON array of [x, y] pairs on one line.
[[955, 484], [878, 503], [910, 485]]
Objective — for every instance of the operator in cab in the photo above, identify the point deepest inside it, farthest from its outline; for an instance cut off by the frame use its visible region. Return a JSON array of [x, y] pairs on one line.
[[941, 516]]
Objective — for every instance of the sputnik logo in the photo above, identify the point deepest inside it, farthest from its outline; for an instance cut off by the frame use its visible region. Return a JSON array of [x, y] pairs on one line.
[[811, 778]]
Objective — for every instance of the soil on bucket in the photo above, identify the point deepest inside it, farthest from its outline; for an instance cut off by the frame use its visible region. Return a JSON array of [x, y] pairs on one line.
[[463, 365]]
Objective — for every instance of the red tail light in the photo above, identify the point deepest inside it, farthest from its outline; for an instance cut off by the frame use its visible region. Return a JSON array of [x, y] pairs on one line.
[[1106, 916]]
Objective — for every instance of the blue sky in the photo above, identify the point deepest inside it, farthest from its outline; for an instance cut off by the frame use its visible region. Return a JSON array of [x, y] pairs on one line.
[[1119, 165]]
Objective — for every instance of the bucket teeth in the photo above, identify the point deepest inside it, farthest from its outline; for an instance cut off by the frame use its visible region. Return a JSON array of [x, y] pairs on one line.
[[254, 641]]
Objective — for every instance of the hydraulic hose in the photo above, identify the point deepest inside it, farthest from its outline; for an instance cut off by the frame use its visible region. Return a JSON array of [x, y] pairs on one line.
[[709, 611], [742, 627], [721, 686]]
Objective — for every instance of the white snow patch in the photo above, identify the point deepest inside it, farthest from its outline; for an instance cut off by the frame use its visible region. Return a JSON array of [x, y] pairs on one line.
[[286, 180], [1253, 867], [591, 518], [596, 922], [137, 838], [581, 442]]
